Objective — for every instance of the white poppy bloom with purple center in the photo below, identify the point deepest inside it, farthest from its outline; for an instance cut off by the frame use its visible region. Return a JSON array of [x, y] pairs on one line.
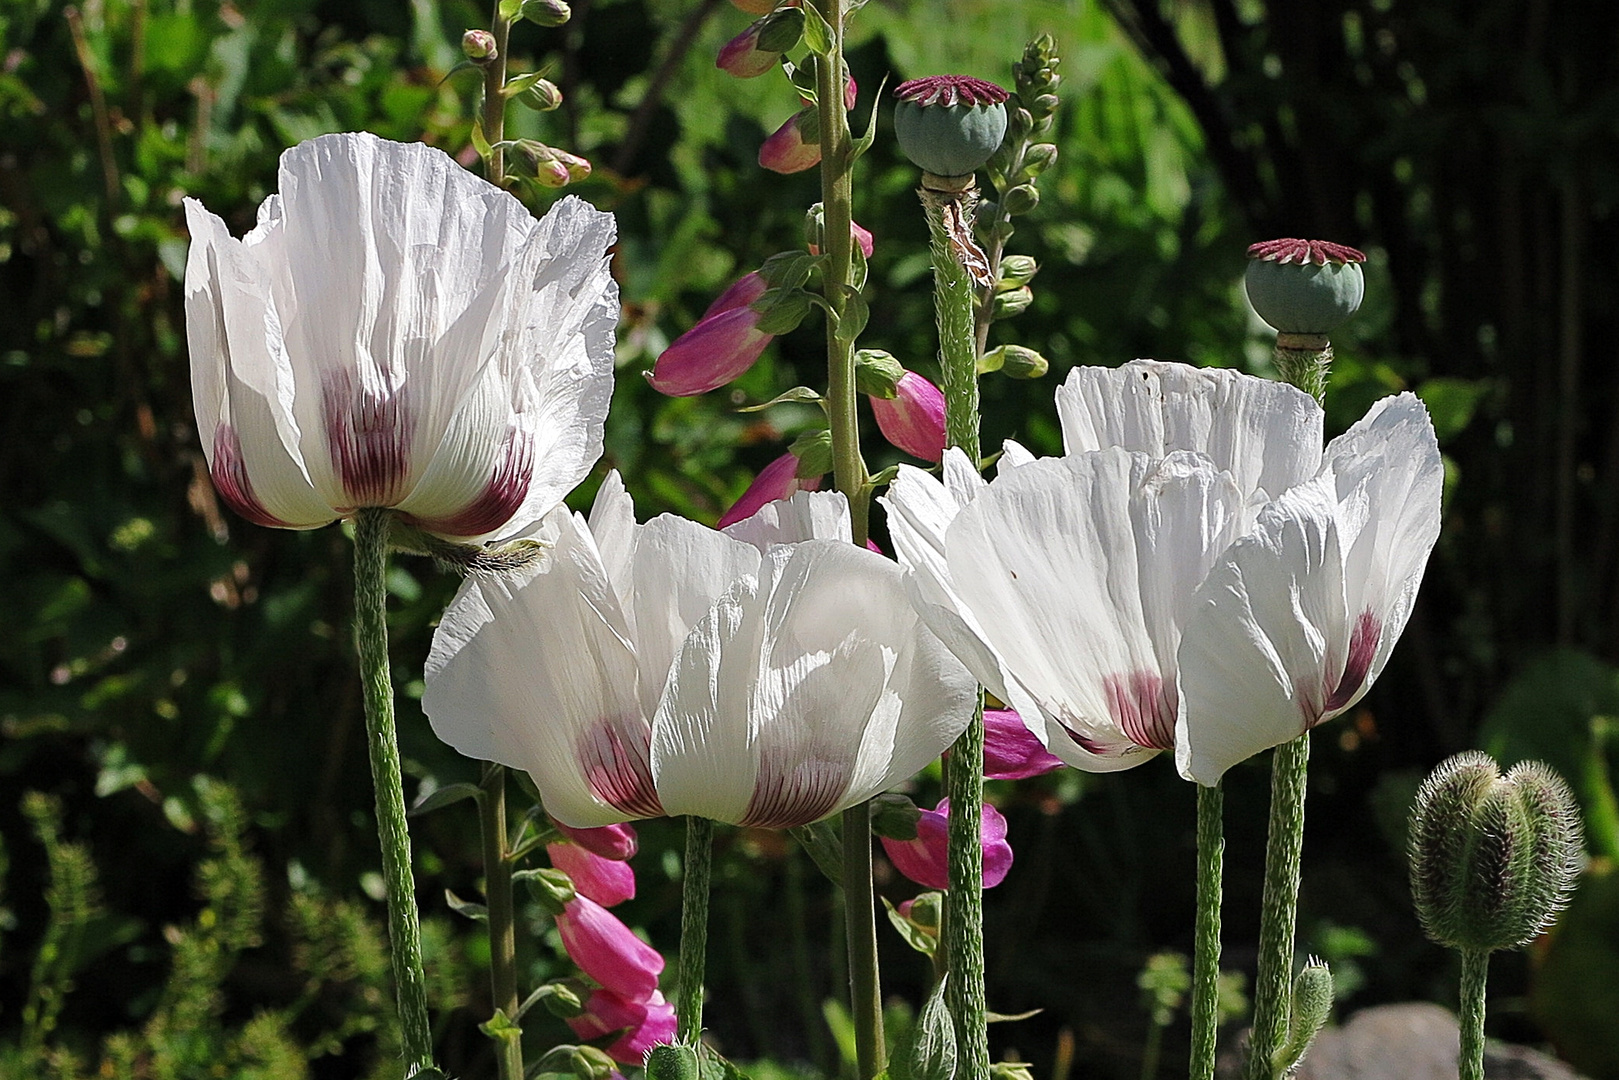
[[1195, 574], [397, 332], [770, 674]]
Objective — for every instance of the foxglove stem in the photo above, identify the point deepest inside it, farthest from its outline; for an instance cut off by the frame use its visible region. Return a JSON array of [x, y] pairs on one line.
[[694, 889], [494, 100], [497, 889], [1475, 971], [963, 930], [1206, 945], [1279, 910], [371, 640], [860, 902]]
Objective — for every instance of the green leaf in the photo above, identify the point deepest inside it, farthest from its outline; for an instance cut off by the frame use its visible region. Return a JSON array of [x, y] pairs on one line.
[[475, 912], [800, 395], [480, 142], [821, 840], [914, 936], [501, 1026], [863, 143], [520, 83], [931, 1053], [444, 796]]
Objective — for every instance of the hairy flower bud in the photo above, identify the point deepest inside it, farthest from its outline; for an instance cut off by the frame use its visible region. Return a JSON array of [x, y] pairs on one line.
[[546, 12], [1312, 1005], [671, 1062], [1304, 286], [479, 47], [1493, 858], [949, 125]]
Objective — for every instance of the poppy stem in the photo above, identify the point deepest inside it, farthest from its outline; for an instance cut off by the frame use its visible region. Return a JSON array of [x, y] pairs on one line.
[[371, 641], [1475, 972], [497, 888], [1279, 911], [694, 891], [860, 926], [1206, 948]]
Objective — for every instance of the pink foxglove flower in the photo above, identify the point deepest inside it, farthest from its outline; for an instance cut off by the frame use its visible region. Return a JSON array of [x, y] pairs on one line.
[[609, 882], [720, 348], [1194, 538], [1011, 750], [925, 860], [616, 842], [607, 950], [793, 147], [913, 419], [778, 480], [643, 1024], [397, 332]]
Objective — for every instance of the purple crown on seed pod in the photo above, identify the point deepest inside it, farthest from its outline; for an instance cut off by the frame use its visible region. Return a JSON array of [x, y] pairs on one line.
[[1290, 250], [948, 90]]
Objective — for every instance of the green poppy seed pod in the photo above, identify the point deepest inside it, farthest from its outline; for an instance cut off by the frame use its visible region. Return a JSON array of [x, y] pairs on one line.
[[949, 125], [1017, 270], [1493, 858], [1304, 286], [1311, 1006], [546, 12], [1014, 361], [543, 96], [668, 1062], [813, 449], [877, 374], [1011, 302]]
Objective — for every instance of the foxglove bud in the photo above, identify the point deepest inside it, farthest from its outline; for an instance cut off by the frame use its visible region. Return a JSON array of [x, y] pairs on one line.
[[1304, 286], [877, 373], [616, 842], [565, 998], [1017, 270], [894, 816], [913, 419], [607, 950], [1037, 159], [721, 347], [551, 887], [949, 125], [479, 47], [814, 227], [1493, 858], [926, 911], [758, 49], [1021, 199], [781, 310], [1312, 1005], [1011, 302], [535, 161], [607, 881], [795, 146], [543, 96], [546, 12], [580, 1062], [778, 480], [1014, 361]]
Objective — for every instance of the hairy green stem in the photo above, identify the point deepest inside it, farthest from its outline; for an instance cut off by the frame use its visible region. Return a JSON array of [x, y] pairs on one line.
[[1305, 361], [1206, 945], [494, 99], [371, 639], [963, 930], [1279, 910], [860, 925], [1475, 972], [497, 888], [694, 889]]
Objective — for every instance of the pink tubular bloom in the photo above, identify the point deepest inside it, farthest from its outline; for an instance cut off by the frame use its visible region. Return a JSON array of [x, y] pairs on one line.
[[616, 842], [606, 950], [606, 881], [913, 419], [778, 480], [925, 859], [644, 1024], [723, 345], [787, 150], [1011, 750]]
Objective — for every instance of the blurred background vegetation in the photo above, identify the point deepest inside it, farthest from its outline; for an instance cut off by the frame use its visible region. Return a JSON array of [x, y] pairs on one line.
[[187, 863]]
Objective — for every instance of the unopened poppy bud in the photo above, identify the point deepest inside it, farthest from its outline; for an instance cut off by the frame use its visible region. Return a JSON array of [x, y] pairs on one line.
[[1312, 1005], [949, 125], [913, 419], [546, 12], [1017, 270], [542, 96], [795, 146], [877, 373], [671, 1062], [479, 47], [1493, 858], [813, 450], [1012, 302], [1304, 286], [551, 888], [894, 816], [1021, 199], [1038, 158], [1014, 361], [565, 998]]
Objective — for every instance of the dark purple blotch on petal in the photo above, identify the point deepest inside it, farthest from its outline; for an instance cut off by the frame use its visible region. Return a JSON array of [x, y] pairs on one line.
[[1143, 706], [796, 792], [616, 765], [501, 496], [1362, 647], [369, 436], [229, 473]]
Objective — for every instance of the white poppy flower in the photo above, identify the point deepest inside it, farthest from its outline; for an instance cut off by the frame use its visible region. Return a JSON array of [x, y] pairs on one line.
[[1070, 583], [397, 332], [561, 668]]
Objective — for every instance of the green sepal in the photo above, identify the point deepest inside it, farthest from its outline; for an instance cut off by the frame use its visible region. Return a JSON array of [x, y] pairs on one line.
[[444, 796], [788, 269], [480, 142], [813, 449], [511, 10], [550, 887], [818, 36], [877, 373], [781, 310], [501, 1026]]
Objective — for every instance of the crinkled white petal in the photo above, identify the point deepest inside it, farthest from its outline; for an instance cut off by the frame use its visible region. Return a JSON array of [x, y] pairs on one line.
[[808, 515], [612, 524], [1266, 434], [527, 668], [1013, 454]]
